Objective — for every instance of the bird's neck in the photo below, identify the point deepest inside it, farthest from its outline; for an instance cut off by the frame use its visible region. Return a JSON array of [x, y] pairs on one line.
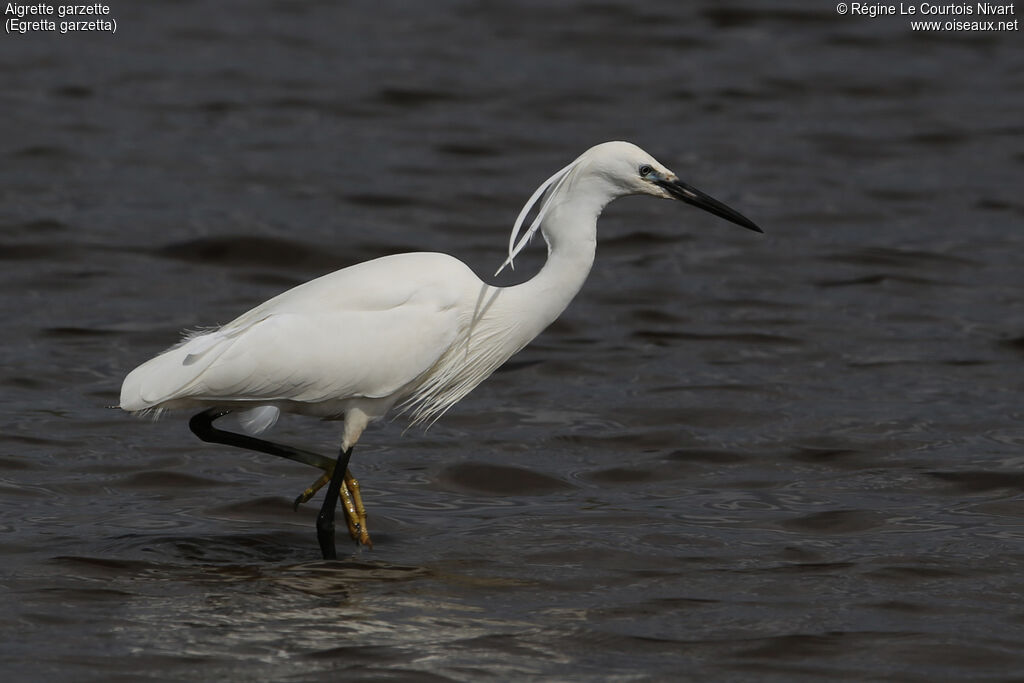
[[570, 229]]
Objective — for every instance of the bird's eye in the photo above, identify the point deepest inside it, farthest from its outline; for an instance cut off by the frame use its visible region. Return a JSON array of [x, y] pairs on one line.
[[646, 170]]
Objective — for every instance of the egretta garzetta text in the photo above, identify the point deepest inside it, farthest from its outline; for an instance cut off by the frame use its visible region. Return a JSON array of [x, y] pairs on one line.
[[415, 332]]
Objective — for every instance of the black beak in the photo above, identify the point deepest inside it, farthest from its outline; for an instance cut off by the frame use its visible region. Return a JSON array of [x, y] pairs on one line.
[[690, 195]]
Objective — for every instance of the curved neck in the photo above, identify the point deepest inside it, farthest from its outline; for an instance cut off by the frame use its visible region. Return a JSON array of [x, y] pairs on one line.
[[570, 229]]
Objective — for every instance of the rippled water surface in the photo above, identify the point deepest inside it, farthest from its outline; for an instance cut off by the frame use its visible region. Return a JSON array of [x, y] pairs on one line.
[[735, 457]]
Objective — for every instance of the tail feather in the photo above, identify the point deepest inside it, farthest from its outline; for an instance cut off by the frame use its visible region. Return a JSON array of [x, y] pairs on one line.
[[169, 375]]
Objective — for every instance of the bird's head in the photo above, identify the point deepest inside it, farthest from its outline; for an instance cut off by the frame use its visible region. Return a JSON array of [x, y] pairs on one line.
[[607, 171], [629, 170]]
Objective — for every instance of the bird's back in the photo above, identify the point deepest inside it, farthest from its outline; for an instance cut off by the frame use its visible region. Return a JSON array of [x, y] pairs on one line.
[[370, 331]]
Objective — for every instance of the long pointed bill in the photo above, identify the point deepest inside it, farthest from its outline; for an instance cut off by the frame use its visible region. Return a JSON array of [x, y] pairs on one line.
[[690, 195]]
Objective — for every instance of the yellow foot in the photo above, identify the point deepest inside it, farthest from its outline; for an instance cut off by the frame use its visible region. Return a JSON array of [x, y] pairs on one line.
[[311, 491], [351, 505], [357, 526]]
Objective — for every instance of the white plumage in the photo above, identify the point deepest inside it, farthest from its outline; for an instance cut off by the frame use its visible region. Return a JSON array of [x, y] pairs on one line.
[[417, 330]]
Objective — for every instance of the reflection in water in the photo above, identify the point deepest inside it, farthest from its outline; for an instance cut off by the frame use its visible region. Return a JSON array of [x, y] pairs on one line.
[[358, 616]]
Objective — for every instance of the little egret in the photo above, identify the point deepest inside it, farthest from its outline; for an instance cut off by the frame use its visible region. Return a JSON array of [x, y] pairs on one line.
[[414, 331]]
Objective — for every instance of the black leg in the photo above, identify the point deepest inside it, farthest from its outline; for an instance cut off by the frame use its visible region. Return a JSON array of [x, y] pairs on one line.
[[325, 520], [201, 425]]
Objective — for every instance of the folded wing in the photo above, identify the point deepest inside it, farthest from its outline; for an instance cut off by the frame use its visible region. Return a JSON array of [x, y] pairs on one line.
[[369, 331]]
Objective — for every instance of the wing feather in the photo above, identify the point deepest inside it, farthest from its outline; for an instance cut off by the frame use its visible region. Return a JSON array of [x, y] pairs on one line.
[[365, 331]]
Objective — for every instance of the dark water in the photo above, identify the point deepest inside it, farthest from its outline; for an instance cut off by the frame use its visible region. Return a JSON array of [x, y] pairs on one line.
[[733, 458]]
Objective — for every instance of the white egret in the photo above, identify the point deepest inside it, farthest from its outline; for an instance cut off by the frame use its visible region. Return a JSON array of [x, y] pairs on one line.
[[414, 331]]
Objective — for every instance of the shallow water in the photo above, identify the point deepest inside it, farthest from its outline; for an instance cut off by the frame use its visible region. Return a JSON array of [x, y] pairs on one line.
[[735, 457]]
